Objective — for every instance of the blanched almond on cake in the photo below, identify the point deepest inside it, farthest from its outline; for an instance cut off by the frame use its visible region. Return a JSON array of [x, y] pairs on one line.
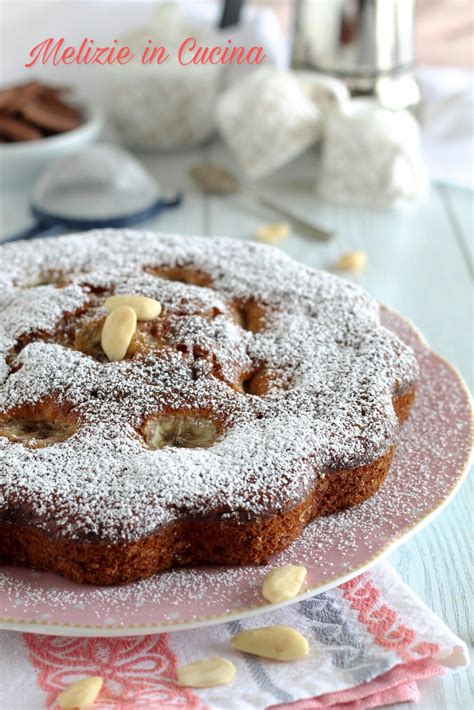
[[81, 694], [206, 673], [145, 308], [283, 583], [352, 261], [117, 332], [281, 643]]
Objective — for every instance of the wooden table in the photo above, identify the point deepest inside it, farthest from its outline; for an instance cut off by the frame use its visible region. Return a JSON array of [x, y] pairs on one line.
[[419, 263]]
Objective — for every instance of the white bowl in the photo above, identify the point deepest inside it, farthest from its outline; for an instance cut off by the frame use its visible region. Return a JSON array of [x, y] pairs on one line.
[[22, 163]]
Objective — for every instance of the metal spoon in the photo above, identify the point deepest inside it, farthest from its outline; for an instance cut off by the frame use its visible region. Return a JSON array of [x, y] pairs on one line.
[[215, 180]]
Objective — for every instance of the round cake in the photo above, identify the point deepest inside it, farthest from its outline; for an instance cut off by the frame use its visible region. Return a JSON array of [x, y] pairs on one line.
[[264, 394]]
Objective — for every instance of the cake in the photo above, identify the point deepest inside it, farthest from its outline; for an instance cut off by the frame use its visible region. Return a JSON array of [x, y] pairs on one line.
[[264, 394]]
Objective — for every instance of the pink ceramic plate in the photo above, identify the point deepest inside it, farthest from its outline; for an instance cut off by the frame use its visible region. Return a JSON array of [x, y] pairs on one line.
[[430, 463]]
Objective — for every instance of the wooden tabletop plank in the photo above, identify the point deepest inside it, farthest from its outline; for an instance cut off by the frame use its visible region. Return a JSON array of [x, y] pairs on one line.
[[460, 209], [172, 173]]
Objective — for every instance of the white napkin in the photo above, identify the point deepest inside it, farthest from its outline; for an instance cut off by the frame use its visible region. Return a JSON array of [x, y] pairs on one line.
[[371, 156], [267, 119], [370, 640]]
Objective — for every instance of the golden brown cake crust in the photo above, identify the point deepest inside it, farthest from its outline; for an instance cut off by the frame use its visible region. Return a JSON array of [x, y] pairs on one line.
[[196, 541]]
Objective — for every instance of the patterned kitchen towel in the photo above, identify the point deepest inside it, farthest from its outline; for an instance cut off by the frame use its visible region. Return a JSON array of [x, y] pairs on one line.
[[370, 640]]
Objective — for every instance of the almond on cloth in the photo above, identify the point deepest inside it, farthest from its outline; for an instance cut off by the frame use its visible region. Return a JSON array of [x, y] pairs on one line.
[[207, 673], [280, 643], [81, 694]]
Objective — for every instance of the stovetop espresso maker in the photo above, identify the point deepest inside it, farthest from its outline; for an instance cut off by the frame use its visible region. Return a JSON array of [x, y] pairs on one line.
[[369, 44]]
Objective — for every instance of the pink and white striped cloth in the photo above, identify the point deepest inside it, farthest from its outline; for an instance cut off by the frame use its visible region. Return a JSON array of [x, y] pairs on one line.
[[371, 640]]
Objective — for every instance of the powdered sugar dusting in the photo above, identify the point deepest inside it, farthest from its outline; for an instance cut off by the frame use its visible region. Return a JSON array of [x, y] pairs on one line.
[[335, 370], [429, 462]]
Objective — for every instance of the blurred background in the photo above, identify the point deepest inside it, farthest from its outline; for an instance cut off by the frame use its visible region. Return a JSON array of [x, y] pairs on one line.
[[405, 54], [350, 146]]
